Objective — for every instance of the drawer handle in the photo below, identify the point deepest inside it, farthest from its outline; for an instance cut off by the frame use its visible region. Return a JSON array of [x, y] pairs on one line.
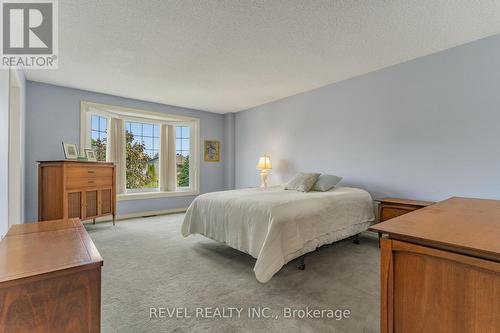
[[91, 182], [91, 171]]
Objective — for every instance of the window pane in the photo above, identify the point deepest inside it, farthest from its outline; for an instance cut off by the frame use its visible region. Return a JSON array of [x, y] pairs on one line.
[[152, 173], [147, 129], [177, 131], [156, 131], [185, 132], [148, 142], [185, 144], [142, 159], [103, 124], [156, 143], [95, 122], [136, 128], [178, 144], [98, 136], [182, 163], [136, 140]]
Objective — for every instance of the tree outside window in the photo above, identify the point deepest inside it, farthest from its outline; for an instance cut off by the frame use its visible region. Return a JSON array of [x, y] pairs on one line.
[[99, 135], [142, 146], [182, 134]]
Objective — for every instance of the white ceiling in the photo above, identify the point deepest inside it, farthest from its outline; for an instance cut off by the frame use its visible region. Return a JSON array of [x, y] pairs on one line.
[[229, 55]]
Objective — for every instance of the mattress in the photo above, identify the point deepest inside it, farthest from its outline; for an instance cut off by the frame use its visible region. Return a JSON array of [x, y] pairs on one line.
[[275, 225]]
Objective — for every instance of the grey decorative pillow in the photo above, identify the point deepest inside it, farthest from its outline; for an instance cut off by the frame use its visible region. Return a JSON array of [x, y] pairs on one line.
[[302, 182], [326, 182]]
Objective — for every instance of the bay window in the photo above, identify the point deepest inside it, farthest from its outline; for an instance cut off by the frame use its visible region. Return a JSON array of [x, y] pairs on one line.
[[156, 154]]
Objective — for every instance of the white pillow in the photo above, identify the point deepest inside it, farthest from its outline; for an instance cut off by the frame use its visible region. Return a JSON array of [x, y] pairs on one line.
[[326, 182], [302, 182]]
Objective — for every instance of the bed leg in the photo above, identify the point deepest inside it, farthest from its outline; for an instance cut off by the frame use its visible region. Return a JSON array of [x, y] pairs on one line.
[[356, 239], [302, 264]]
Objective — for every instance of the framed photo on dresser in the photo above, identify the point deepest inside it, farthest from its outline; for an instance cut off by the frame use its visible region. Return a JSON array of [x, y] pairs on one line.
[[90, 155], [70, 151]]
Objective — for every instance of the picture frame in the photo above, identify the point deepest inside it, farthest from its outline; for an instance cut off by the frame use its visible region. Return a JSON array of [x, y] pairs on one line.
[[70, 151], [212, 151], [90, 155]]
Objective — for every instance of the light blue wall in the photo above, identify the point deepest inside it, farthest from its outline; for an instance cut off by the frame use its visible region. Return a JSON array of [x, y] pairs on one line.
[[229, 151], [425, 129], [53, 116]]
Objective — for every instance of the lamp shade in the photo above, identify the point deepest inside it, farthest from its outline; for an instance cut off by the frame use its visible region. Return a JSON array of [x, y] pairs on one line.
[[264, 163]]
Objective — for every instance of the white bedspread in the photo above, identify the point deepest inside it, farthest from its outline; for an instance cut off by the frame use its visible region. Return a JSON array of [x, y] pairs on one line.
[[275, 225]]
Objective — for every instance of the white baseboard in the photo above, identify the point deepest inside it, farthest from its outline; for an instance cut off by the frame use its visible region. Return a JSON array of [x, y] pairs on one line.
[[139, 214]]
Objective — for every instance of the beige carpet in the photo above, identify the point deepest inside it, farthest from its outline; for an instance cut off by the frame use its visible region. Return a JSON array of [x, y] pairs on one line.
[[147, 263]]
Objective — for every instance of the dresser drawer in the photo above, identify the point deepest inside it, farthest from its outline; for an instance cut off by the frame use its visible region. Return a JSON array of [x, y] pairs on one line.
[[88, 172], [389, 212], [77, 183]]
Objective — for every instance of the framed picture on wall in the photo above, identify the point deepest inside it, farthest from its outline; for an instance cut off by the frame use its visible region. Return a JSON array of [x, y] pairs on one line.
[[212, 151], [70, 151]]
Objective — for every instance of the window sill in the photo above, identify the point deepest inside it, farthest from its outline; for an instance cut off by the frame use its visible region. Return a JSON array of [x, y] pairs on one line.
[[154, 195]]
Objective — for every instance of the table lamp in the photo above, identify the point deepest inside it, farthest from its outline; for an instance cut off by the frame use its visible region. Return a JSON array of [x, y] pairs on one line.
[[264, 165]]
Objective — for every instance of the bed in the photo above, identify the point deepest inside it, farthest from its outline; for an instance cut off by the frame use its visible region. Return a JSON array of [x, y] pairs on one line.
[[275, 225]]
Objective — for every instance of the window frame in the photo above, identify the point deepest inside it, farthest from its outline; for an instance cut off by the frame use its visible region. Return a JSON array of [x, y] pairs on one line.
[[145, 189], [191, 167], [146, 121], [137, 115], [99, 131], [90, 130]]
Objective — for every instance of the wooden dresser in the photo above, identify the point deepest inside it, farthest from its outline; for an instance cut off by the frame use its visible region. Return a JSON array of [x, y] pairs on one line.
[[50, 279], [440, 268], [69, 189], [393, 207], [389, 208]]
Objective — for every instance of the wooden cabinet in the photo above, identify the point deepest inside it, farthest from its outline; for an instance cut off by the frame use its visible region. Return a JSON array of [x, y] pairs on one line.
[[392, 207], [76, 189], [50, 279], [440, 268]]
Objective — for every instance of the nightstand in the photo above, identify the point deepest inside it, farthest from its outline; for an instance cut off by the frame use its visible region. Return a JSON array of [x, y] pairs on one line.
[[393, 207]]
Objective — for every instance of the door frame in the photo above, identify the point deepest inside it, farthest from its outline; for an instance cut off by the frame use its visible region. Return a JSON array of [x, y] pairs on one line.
[[16, 151]]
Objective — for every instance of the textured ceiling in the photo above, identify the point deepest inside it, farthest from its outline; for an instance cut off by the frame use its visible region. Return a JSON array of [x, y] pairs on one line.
[[229, 55]]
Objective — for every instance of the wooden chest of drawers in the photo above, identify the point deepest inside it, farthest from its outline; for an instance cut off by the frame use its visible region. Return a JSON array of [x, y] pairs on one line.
[[440, 268], [392, 207], [76, 189], [50, 279]]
